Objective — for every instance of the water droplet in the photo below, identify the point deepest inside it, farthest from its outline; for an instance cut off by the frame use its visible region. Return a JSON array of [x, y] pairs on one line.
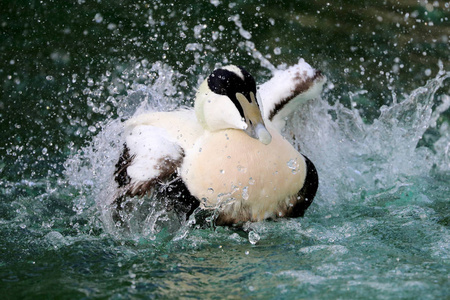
[[247, 252], [253, 237], [112, 26], [211, 190], [277, 51], [251, 181], [56, 239], [242, 169], [245, 193], [98, 18], [293, 165], [215, 2], [222, 171]]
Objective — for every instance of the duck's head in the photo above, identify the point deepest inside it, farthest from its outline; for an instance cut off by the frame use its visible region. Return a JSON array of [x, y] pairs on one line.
[[227, 99]]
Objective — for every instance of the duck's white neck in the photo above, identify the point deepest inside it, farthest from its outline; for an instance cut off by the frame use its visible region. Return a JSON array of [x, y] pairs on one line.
[[216, 112]]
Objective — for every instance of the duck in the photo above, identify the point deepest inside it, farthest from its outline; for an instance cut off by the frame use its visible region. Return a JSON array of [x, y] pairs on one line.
[[227, 155]]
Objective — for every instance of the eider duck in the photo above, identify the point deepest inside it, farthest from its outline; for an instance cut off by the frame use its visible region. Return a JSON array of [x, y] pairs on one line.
[[227, 155]]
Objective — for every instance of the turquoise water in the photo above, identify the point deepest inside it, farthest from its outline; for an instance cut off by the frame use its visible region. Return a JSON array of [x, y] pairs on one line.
[[379, 137]]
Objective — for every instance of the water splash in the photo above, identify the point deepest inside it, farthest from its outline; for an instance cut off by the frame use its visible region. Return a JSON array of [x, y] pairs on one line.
[[356, 161]]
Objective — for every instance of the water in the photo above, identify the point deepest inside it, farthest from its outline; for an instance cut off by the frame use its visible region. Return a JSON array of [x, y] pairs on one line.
[[379, 137]]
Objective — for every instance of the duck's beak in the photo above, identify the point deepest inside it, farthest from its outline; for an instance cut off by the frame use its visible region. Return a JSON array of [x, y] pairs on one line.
[[255, 123], [261, 133]]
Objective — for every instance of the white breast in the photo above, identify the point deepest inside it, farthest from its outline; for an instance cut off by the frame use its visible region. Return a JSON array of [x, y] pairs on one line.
[[230, 170]]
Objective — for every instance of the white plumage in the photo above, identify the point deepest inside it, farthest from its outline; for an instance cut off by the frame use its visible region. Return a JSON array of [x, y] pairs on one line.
[[151, 145], [289, 89]]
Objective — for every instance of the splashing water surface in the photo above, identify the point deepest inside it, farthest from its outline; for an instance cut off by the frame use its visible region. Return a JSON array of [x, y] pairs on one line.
[[380, 194]]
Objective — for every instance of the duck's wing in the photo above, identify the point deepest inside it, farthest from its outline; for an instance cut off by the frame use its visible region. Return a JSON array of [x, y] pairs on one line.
[[288, 89], [149, 157], [154, 149], [181, 126]]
